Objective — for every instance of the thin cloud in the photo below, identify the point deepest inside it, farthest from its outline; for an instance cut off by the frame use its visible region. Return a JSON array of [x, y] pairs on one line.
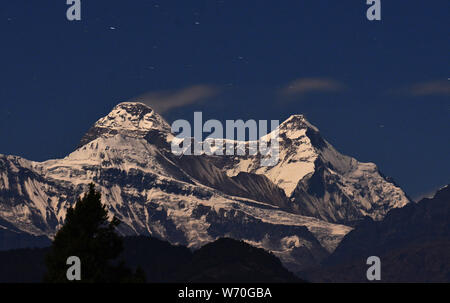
[[304, 86], [432, 88], [164, 101]]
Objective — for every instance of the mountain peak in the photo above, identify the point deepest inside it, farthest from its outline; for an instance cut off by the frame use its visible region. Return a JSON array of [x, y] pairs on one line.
[[134, 119], [295, 122], [132, 106], [296, 117]]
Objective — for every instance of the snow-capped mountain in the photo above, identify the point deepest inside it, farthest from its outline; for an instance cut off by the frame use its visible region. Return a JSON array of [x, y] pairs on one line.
[[292, 209], [318, 181]]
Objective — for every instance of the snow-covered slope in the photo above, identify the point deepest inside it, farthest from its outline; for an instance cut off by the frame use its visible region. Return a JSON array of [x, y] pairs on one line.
[[128, 118], [193, 200], [321, 182]]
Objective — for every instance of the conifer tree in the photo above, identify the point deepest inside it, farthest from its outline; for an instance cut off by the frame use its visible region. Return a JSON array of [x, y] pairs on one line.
[[89, 235]]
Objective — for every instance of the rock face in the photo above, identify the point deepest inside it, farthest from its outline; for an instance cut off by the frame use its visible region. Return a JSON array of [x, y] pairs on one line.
[[293, 209]]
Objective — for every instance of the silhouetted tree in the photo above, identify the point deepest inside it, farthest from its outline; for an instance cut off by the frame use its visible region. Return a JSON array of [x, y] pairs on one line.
[[89, 235]]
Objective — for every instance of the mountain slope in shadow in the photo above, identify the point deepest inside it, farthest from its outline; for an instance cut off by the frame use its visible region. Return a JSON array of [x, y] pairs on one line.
[[413, 244]]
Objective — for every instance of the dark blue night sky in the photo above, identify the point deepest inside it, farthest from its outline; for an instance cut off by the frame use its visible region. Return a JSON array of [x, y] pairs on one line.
[[378, 91]]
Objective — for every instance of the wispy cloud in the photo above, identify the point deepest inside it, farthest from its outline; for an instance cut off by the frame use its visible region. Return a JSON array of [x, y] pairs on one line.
[[431, 88], [164, 101], [304, 86]]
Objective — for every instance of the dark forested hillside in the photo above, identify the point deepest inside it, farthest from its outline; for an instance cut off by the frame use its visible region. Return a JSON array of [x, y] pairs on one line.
[[224, 260], [227, 260]]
